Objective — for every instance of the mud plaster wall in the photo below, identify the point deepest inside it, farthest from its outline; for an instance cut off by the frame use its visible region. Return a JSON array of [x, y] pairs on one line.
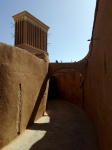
[[21, 77], [69, 87], [98, 87]]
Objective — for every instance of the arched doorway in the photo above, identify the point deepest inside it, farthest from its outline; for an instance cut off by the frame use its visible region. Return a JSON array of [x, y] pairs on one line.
[[68, 85]]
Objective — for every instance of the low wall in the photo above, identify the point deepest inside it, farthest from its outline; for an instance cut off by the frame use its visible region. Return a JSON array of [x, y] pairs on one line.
[[21, 79]]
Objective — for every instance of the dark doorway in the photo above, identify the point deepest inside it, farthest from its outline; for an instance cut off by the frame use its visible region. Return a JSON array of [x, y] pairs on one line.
[[53, 90]]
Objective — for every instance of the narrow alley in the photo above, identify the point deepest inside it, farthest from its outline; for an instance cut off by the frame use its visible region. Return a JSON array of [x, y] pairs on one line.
[[64, 127]]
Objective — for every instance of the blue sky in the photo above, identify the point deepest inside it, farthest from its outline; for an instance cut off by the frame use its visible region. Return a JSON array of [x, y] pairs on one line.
[[70, 23]]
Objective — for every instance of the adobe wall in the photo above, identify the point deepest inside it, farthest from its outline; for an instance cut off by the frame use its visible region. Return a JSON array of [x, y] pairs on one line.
[[21, 77], [98, 87], [68, 87]]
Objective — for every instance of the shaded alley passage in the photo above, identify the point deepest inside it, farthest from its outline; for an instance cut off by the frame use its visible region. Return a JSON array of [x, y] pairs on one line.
[[64, 127]]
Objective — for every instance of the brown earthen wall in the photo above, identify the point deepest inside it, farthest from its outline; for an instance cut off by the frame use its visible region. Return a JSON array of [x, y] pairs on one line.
[[69, 87], [21, 77], [98, 87]]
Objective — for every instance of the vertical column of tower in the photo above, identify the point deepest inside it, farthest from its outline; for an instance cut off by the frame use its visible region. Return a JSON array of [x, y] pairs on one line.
[[25, 31], [45, 34], [28, 40], [34, 35], [15, 32], [38, 37], [22, 30], [41, 39], [19, 31], [30, 34], [17, 36], [45, 42]]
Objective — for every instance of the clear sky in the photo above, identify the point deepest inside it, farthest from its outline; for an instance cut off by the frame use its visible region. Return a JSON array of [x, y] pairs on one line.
[[70, 23]]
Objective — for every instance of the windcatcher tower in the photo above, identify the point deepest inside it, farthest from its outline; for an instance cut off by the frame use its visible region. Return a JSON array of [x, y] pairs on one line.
[[30, 33]]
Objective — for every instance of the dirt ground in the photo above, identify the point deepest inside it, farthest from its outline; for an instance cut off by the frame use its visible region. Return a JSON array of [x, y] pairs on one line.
[[64, 127]]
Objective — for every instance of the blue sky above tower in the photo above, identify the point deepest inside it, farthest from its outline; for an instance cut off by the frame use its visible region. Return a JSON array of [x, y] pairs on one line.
[[70, 23]]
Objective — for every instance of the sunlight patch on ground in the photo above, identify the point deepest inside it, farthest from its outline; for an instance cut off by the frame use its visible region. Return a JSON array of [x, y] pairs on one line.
[[29, 136]]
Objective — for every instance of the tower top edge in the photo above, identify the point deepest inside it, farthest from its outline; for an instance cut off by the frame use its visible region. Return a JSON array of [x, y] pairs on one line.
[[25, 14]]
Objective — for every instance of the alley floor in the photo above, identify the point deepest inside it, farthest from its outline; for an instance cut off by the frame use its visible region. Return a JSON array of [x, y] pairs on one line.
[[63, 127]]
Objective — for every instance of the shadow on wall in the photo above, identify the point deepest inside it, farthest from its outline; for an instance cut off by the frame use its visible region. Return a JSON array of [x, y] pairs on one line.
[[38, 101]]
